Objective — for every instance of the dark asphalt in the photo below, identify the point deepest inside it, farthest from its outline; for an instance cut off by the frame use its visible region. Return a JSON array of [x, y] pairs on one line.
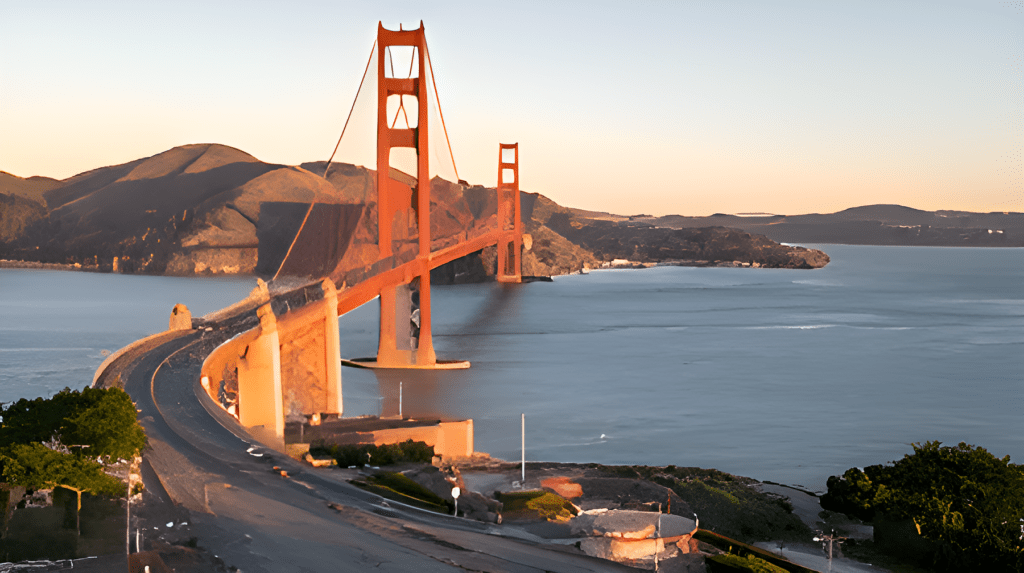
[[253, 518]]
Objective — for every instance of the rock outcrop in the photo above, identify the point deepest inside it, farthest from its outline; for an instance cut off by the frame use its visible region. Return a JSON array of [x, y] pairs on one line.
[[702, 246]]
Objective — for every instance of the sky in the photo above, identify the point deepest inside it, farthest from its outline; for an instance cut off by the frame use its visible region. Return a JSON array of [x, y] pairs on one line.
[[683, 107]]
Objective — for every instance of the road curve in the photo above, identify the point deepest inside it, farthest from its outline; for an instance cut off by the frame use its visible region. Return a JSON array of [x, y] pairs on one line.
[[254, 518]]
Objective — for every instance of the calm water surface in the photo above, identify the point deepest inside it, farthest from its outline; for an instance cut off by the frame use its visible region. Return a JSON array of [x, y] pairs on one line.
[[782, 375]]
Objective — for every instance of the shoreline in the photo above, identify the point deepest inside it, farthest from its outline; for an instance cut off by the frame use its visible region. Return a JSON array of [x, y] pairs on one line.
[[13, 264]]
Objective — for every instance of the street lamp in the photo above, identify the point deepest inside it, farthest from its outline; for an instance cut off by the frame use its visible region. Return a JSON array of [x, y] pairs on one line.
[[831, 538]]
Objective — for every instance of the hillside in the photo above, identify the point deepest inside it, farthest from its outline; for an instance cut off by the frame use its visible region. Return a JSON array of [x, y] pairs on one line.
[[872, 225], [31, 188], [188, 210], [212, 209]]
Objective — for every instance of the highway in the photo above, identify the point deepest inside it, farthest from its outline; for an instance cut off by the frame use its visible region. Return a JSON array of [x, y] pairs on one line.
[[223, 484]]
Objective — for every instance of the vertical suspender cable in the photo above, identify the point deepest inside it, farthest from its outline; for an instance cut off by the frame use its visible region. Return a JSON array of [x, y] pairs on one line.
[[441, 113], [359, 89]]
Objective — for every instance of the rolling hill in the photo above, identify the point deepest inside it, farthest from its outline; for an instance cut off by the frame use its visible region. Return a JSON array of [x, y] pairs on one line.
[[210, 209]]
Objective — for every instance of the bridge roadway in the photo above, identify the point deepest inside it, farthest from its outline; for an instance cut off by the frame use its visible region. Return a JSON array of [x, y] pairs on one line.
[[242, 510]]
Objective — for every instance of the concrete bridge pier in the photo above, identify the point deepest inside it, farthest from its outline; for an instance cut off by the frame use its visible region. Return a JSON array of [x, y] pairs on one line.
[[405, 340]]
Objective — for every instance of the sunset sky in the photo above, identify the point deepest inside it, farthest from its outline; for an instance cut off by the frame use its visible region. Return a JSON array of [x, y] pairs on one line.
[[629, 107]]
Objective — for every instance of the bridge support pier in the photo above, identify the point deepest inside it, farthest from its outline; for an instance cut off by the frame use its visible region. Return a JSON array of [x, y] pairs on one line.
[[260, 403], [290, 365], [332, 352]]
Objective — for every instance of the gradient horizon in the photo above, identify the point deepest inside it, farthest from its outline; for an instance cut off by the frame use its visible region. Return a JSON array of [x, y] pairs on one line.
[[690, 108]]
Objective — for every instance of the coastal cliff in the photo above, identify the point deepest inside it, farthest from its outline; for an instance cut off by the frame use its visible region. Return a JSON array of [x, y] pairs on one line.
[[212, 209]]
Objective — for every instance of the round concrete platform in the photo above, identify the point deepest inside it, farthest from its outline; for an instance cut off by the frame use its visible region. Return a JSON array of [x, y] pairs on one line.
[[372, 364]]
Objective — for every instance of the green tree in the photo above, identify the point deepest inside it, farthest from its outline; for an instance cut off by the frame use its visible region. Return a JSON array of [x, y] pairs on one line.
[[35, 466], [103, 419], [962, 497], [107, 424]]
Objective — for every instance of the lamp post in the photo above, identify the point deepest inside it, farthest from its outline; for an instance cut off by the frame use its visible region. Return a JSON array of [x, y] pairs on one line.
[[523, 437], [128, 514], [657, 536]]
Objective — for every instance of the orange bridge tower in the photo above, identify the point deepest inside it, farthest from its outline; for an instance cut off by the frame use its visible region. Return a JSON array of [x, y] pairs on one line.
[[510, 241]]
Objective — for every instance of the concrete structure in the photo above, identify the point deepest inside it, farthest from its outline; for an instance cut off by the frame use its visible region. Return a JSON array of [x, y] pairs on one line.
[[450, 440], [181, 318], [630, 536]]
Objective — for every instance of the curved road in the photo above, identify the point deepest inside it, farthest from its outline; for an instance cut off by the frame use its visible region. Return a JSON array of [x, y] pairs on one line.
[[253, 518]]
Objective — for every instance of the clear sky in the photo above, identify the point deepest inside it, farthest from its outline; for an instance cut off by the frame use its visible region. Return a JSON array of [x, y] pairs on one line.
[[690, 107]]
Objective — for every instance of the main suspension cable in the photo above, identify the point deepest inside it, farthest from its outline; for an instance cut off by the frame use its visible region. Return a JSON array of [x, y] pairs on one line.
[[437, 98], [351, 109]]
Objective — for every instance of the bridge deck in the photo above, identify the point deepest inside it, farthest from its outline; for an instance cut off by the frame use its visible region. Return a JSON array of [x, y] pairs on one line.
[[362, 293]]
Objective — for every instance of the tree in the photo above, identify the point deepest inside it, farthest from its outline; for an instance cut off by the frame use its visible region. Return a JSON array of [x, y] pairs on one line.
[[35, 466], [962, 497], [108, 425], [66, 440], [103, 419]]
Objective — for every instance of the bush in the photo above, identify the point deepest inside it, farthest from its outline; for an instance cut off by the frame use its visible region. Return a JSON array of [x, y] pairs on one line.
[[383, 455], [536, 504]]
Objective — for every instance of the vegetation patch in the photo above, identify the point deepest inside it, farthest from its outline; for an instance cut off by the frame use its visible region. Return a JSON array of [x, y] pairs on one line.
[[369, 454], [744, 552], [398, 487], [537, 504], [967, 504], [724, 503]]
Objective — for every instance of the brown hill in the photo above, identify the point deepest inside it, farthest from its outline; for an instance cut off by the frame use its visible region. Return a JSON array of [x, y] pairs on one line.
[[189, 209], [31, 188], [200, 209], [21, 203]]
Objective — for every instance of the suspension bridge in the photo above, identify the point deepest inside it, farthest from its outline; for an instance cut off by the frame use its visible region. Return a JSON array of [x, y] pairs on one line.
[[290, 362]]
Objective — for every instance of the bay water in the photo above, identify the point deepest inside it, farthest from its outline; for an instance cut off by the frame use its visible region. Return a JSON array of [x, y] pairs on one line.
[[777, 374]]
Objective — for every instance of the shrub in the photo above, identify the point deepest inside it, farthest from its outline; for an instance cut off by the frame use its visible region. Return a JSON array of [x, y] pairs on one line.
[[385, 454], [536, 504]]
